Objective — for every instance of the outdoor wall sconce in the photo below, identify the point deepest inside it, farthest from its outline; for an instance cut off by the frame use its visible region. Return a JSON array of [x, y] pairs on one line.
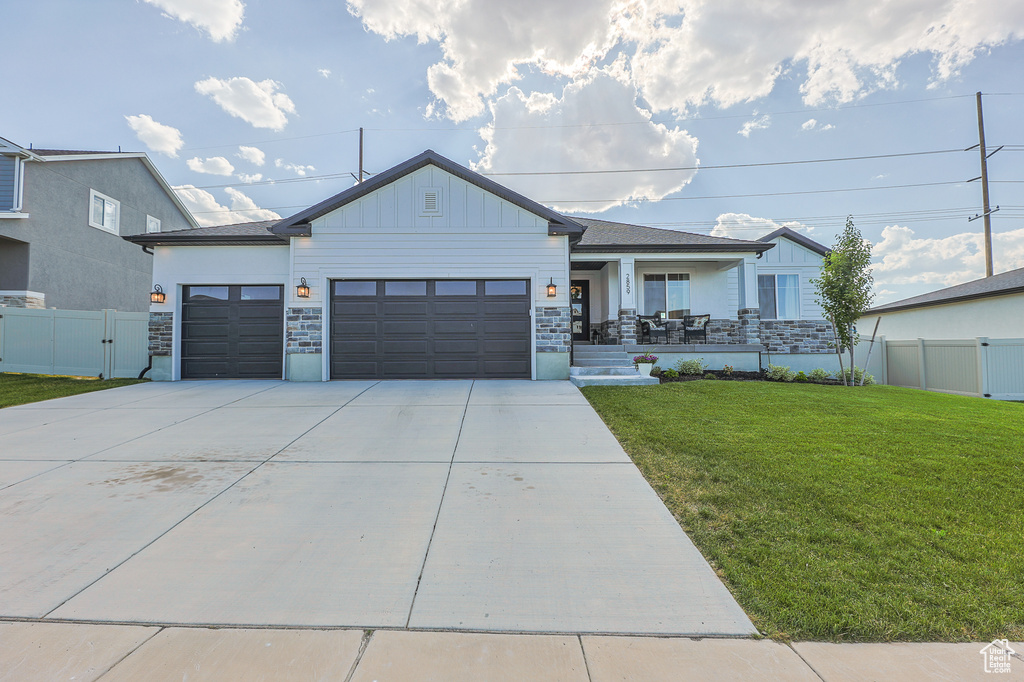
[[157, 295], [552, 289], [302, 291]]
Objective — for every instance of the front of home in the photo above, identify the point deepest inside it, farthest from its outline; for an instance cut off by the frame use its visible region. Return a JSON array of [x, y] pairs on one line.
[[430, 270]]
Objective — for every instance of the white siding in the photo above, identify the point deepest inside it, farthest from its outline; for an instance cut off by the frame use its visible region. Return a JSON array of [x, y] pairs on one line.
[[478, 235], [998, 317], [712, 291], [790, 258]]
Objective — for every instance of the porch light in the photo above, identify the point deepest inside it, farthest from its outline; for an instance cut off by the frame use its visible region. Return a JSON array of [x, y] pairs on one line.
[[157, 295], [552, 289], [302, 291]]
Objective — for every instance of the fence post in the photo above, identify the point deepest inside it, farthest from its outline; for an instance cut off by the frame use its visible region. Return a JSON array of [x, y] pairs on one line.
[[884, 355], [982, 351], [921, 367]]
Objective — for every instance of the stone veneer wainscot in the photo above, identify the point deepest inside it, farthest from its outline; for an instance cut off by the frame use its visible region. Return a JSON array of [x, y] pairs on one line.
[[554, 330], [161, 334], [305, 331]]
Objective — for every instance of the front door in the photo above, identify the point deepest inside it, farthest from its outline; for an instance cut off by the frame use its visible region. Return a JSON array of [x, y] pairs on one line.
[[579, 293]]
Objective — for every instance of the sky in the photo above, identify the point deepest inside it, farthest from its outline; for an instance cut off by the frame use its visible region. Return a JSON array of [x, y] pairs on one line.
[[727, 117]]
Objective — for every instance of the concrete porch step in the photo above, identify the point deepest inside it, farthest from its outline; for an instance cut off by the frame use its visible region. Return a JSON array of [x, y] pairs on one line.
[[607, 371], [609, 361], [635, 380]]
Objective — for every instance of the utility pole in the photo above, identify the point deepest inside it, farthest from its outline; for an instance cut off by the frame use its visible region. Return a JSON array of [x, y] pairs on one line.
[[982, 163], [986, 212]]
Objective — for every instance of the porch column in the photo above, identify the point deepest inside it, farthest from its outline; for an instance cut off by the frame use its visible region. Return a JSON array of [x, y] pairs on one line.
[[627, 301], [749, 313]]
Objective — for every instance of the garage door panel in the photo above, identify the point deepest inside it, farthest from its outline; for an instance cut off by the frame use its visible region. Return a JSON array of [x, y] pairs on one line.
[[411, 331], [238, 335]]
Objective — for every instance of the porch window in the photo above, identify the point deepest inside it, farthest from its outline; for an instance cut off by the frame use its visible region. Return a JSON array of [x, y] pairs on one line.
[[779, 296], [667, 293]]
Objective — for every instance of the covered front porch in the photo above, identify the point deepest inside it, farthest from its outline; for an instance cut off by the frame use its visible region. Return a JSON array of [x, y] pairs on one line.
[[643, 299]]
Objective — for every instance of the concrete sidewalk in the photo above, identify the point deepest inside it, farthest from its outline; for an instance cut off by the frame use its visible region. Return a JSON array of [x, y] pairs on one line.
[[111, 653]]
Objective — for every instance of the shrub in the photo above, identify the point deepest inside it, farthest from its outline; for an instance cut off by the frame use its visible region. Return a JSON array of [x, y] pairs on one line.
[[801, 378], [695, 366], [709, 375], [779, 373], [727, 370], [819, 376], [670, 374], [857, 374]]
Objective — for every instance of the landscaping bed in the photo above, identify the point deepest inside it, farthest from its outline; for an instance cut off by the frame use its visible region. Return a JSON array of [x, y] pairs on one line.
[[19, 389], [873, 513]]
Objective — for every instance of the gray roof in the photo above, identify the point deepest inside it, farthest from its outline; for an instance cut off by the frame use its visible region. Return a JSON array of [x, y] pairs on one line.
[[299, 224], [1011, 282], [800, 239], [605, 235], [71, 152], [239, 234]]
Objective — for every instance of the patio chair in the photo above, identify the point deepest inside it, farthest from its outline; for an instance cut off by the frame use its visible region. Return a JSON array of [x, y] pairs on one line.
[[695, 326], [650, 331]]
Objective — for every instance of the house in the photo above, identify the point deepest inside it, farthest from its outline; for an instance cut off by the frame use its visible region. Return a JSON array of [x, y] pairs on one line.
[[61, 213], [430, 270], [988, 307]]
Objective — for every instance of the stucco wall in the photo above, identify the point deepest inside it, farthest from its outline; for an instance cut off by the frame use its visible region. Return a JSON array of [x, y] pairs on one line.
[[80, 267], [997, 317]]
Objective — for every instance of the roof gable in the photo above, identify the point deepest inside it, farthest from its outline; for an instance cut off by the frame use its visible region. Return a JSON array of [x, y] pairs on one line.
[[606, 235], [798, 238], [299, 224]]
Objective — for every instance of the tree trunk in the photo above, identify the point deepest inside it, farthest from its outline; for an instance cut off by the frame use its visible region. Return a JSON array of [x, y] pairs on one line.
[[853, 367], [839, 352]]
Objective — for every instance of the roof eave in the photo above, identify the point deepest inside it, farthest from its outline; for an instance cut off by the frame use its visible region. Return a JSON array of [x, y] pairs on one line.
[[953, 299], [156, 239], [670, 248]]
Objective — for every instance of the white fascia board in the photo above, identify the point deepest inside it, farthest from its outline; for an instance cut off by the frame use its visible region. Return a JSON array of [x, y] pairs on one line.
[[142, 156], [671, 255], [9, 214], [11, 148]]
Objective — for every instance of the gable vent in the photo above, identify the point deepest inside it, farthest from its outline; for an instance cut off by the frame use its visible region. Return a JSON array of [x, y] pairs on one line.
[[430, 201]]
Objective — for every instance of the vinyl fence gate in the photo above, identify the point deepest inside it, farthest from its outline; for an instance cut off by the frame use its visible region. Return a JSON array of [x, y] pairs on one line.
[[105, 343]]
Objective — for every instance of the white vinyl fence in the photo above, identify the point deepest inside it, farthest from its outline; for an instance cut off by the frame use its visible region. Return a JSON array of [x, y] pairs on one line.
[[990, 368], [103, 343]]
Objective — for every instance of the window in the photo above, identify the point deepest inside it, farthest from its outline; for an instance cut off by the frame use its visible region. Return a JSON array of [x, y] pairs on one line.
[[104, 212], [454, 288], [203, 293], [355, 288], [511, 287], [152, 224], [779, 296], [405, 288], [667, 293]]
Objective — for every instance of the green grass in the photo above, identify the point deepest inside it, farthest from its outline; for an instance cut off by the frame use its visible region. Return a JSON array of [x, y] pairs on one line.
[[19, 389], [865, 514]]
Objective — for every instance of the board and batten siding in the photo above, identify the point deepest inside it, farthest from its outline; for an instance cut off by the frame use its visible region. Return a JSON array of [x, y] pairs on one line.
[[478, 235], [790, 258], [9, 183]]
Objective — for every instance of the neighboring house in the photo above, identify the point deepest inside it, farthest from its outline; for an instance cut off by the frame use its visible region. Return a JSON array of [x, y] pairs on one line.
[[988, 307], [430, 270], [61, 213]]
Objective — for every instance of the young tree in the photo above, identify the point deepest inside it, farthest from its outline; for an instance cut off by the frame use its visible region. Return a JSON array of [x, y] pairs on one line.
[[844, 287]]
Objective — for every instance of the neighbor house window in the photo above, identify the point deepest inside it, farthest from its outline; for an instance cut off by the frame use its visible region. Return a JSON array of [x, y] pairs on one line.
[[667, 293], [779, 296], [152, 224], [104, 212]]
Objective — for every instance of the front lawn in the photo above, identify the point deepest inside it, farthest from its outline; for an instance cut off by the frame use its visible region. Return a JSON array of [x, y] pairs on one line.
[[844, 514], [18, 389]]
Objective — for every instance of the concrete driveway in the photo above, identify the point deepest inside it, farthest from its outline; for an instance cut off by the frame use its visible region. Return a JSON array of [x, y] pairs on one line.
[[501, 506]]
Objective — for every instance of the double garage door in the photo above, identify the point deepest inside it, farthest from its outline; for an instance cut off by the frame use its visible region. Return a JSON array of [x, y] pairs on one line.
[[379, 329], [430, 329]]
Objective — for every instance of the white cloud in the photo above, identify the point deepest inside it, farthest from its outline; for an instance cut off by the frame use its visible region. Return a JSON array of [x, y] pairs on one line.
[[216, 165], [685, 53], [744, 226], [246, 178], [219, 18], [544, 133], [253, 155], [904, 258], [809, 124], [256, 103], [326, 73], [208, 211], [156, 136], [757, 124], [294, 168]]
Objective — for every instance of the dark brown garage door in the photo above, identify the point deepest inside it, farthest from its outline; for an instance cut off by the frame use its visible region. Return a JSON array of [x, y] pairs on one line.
[[430, 329], [232, 332]]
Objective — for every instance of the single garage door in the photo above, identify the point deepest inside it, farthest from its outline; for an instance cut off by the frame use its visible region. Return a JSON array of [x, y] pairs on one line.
[[430, 329], [232, 332]]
